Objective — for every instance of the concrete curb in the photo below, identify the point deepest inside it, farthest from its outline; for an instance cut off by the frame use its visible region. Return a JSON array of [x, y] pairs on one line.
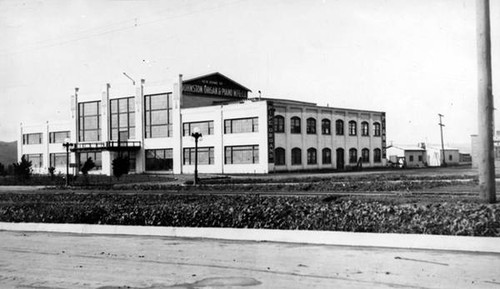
[[405, 241]]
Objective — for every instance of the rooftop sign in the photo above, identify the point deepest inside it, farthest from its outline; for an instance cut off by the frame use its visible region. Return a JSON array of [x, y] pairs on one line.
[[214, 84]]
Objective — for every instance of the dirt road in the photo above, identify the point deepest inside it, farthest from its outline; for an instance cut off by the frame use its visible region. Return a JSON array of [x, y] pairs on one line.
[[50, 260]]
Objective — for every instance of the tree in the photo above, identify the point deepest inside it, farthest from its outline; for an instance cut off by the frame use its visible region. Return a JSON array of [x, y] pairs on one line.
[[120, 166], [51, 172], [3, 172], [23, 169], [87, 166]]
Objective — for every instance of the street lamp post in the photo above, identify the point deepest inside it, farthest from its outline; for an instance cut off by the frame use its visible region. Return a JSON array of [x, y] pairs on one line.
[[196, 134], [67, 145]]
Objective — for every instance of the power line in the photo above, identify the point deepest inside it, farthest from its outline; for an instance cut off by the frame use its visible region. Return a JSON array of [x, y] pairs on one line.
[[95, 32]]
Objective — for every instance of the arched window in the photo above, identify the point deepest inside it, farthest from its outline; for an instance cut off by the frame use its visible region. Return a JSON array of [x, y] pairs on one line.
[[279, 123], [365, 155], [279, 157], [325, 126], [365, 129], [353, 156], [377, 155], [296, 156], [295, 125], [339, 127], [376, 129], [352, 127], [311, 156], [311, 126], [327, 156]]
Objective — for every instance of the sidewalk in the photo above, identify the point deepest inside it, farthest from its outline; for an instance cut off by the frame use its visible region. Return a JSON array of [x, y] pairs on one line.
[[64, 260]]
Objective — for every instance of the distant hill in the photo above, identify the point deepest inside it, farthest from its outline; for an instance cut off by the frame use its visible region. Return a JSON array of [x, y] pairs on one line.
[[8, 152]]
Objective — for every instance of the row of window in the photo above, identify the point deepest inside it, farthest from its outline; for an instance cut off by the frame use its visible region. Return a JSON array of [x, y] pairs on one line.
[[295, 126], [54, 137], [326, 156], [162, 159]]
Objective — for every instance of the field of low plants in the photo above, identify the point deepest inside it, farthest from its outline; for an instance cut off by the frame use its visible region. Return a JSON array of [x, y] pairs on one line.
[[338, 213]]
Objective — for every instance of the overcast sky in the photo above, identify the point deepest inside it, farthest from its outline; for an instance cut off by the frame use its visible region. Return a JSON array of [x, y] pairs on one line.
[[412, 59]]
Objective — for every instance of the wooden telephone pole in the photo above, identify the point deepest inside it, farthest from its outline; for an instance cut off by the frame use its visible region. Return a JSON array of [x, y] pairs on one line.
[[443, 164], [486, 162]]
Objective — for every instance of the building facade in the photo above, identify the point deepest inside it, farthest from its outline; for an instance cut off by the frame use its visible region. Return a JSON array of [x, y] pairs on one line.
[[152, 126]]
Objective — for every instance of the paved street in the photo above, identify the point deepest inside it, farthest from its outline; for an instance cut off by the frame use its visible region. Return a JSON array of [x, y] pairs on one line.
[[54, 260]]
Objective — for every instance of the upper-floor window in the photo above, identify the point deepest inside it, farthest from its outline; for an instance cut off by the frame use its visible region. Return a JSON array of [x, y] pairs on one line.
[[279, 157], [311, 126], [32, 138], [279, 123], [158, 115], [241, 125], [58, 136], [295, 124], [377, 155], [376, 129], [122, 120], [365, 155], [339, 127], [326, 126], [312, 158], [242, 154], [352, 128], [205, 127], [365, 129], [89, 121]]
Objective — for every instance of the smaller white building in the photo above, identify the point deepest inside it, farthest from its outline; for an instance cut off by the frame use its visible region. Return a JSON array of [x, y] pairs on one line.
[[410, 157], [435, 156]]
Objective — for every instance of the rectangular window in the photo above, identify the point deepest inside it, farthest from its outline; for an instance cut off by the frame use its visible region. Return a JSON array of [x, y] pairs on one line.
[[419, 158], [242, 154], [122, 119], [241, 125], [131, 160], [158, 115], [89, 121], [35, 159], [411, 158], [96, 158], [159, 160], [58, 160], [32, 138], [205, 156], [205, 127], [58, 136]]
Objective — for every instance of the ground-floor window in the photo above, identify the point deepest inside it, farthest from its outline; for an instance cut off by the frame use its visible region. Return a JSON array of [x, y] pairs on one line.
[[131, 159], [311, 156], [159, 160], [296, 156], [377, 155], [242, 154], [279, 157], [205, 156], [58, 160], [327, 156], [95, 156], [365, 155], [35, 159], [353, 155]]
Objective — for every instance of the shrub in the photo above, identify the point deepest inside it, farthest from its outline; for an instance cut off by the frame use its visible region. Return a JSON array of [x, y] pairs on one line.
[[87, 166], [23, 169], [120, 166]]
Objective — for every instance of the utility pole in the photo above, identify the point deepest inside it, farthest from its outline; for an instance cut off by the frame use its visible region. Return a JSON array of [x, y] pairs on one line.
[[443, 164], [486, 162]]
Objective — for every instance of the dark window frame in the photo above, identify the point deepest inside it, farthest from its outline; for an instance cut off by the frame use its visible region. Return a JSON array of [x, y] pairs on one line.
[[229, 125], [279, 156], [339, 127], [353, 128], [311, 125], [326, 127], [295, 125], [365, 129], [326, 156], [279, 124], [312, 156], [296, 157], [148, 118]]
